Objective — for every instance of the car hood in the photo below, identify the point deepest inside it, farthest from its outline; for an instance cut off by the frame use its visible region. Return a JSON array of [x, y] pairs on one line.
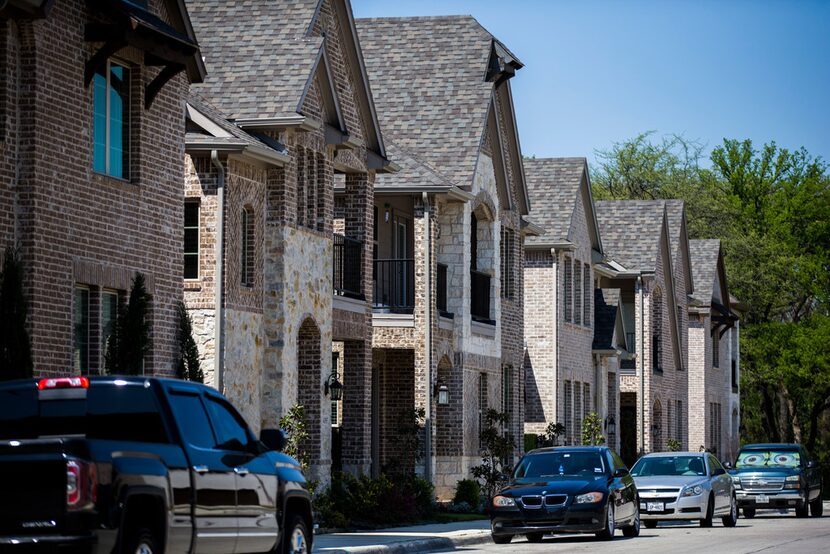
[[559, 485], [668, 481]]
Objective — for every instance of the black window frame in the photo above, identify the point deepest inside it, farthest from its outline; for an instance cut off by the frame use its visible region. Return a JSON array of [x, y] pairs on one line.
[[193, 204]]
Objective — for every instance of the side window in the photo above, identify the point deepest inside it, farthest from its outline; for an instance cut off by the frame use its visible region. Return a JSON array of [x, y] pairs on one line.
[[713, 464], [232, 434], [618, 463], [192, 419]]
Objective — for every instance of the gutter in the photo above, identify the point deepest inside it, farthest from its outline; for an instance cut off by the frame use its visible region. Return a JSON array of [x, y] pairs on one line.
[[454, 192], [219, 323], [556, 373], [260, 154], [563, 245]]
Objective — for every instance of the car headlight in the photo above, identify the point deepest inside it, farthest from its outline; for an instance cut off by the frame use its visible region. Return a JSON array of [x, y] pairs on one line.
[[589, 498], [503, 502], [736, 481], [792, 482], [692, 491]]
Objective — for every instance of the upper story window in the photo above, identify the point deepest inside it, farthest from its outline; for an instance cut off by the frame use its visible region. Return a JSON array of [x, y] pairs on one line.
[[657, 331], [577, 295], [716, 349], [568, 286], [191, 239], [246, 263], [587, 295], [111, 120], [508, 276]]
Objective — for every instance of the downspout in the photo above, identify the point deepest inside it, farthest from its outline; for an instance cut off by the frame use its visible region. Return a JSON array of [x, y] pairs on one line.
[[219, 325], [428, 340], [642, 366], [556, 383]]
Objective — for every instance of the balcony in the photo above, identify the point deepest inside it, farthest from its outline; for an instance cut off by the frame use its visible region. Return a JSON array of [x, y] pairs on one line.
[[480, 297], [348, 267], [441, 292], [394, 286]]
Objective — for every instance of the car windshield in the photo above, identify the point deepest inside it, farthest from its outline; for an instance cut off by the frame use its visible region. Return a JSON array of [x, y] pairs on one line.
[[556, 464], [669, 465], [768, 458]]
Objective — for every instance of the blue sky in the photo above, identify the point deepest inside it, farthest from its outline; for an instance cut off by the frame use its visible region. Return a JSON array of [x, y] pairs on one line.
[[602, 71]]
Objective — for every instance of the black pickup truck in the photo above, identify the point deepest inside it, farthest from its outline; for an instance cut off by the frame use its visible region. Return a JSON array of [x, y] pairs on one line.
[[142, 465]]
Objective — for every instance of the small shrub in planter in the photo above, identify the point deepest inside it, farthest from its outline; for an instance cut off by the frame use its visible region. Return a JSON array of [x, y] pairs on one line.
[[467, 491]]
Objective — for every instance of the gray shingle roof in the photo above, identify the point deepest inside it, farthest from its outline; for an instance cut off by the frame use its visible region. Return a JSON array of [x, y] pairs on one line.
[[211, 112], [553, 185], [257, 54], [704, 257], [674, 218], [630, 231], [606, 304], [428, 79]]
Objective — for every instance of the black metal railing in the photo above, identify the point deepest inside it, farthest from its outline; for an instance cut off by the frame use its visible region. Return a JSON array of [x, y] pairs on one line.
[[734, 376], [480, 297], [441, 292], [394, 286], [348, 267]]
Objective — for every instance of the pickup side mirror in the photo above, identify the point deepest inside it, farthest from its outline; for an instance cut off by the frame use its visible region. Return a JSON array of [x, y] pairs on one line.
[[273, 439], [620, 472], [812, 464], [727, 465]]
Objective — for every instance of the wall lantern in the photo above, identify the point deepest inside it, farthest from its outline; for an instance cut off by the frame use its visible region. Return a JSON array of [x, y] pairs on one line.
[[443, 394], [333, 387], [610, 425], [655, 429]]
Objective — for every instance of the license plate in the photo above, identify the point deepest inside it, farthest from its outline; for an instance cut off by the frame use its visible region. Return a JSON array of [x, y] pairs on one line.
[[655, 506], [762, 499]]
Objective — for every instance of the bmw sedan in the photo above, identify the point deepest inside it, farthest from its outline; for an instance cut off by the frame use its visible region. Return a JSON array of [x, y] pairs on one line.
[[566, 490], [684, 485]]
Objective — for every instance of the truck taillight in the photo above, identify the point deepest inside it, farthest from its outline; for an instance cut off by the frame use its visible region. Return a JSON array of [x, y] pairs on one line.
[[63, 383], [81, 485]]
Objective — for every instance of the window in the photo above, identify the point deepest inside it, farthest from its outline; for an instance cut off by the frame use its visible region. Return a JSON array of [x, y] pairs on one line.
[[568, 286], [587, 295], [680, 432], [192, 419], [335, 404], [508, 276], [577, 436], [111, 120], [507, 389], [586, 399], [246, 264], [577, 296], [80, 331], [482, 405], [566, 407], [109, 316], [669, 419], [231, 433], [657, 331], [191, 239], [714, 427], [716, 349]]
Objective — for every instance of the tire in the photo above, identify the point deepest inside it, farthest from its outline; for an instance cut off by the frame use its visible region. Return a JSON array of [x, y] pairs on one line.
[[650, 523], [295, 539], [802, 510], [607, 532], [749, 513], [502, 539], [710, 511], [534, 537], [633, 530], [816, 507], [141, 541], [731, 519]]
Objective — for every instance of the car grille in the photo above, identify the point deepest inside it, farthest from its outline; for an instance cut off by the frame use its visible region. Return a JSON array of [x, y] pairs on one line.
[[535, 501], [762, 483], [659, 495], [532, 501], [555, 499]]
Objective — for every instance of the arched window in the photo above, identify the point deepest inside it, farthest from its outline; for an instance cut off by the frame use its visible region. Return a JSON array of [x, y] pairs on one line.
[[657, 331]]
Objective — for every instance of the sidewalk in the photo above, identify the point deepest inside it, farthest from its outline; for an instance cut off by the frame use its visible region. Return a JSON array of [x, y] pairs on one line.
[[415, 538]]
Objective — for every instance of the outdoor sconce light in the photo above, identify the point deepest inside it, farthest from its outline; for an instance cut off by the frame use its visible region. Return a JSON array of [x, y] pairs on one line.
[[443, 394], [655, 429], [333, 387], [610, 425]]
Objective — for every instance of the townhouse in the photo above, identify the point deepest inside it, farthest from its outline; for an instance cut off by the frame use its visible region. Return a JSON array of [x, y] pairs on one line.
[[653, 380], [566, 377], [448, 240], [91, 142], [283, 146], [714, 355]]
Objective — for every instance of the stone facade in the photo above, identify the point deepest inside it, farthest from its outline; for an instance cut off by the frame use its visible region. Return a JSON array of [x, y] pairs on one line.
[[83, 234]]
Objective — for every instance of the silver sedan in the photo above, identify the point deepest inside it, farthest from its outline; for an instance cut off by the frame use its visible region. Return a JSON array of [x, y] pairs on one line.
[[684, 485]]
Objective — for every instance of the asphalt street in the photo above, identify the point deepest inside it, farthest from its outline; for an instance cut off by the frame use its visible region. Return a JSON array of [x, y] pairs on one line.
[[767, 532]]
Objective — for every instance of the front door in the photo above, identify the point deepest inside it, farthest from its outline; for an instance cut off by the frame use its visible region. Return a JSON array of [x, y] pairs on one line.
[[628, 433], [214, 480]]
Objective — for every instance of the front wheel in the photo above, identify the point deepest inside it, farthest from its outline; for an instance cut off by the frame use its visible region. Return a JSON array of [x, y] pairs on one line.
[[610, 525], [633, 530], [732, 519], [651, 523], [295, 540], [749, 513], [816, 507], [142, 541], [710, 512], [502, 539]]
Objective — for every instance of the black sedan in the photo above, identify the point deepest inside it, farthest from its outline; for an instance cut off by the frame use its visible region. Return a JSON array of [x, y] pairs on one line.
[[566, 490]]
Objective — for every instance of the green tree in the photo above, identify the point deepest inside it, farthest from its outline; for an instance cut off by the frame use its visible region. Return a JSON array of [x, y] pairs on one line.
[[130, 341], [188, 366], [496, 449], [592, 430], [294, 425], [15, 348]]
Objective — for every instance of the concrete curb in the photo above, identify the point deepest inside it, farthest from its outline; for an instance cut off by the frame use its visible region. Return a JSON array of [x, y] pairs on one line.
[[417, 545]]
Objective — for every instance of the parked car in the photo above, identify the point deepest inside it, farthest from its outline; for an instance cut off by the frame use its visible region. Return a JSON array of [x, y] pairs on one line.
[[780, 476], [684, 485], [566, 490], [133, 464]]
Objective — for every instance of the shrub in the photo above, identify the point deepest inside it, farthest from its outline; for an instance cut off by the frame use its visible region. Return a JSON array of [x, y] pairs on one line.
[[592, 430], [673, 445], [293, 424], [467, 491], [187, 365], [497, 449]]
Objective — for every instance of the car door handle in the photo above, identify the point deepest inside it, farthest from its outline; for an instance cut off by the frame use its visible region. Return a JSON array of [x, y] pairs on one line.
[[200, 469], [241, 470]]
